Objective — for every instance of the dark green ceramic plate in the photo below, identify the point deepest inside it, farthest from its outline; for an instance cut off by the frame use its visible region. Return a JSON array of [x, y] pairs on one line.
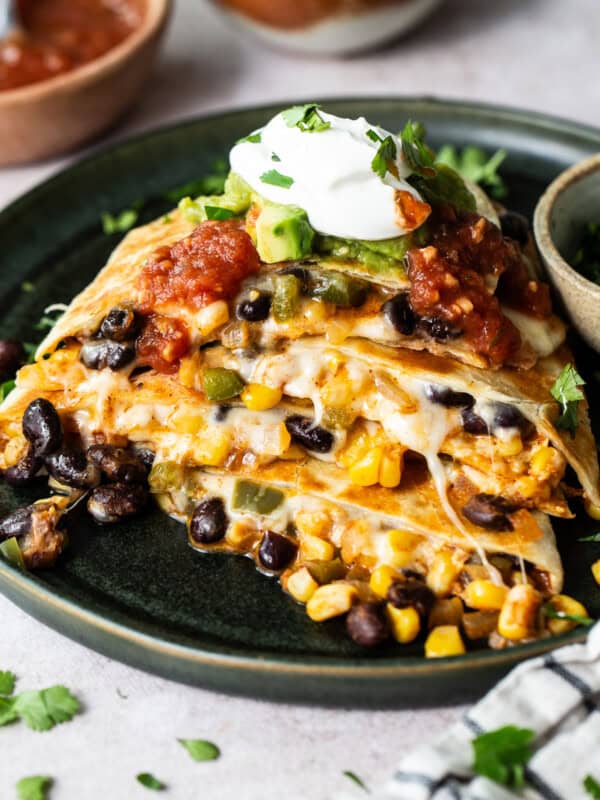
[[137, 592]]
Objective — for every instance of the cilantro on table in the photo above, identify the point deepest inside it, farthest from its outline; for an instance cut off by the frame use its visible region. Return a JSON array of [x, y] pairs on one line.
[[306, 117], [566, 391], [587, 256], [253, 138], [39, 710], [386, 153], [200, 749], [594, 537], [150, 782], [119, 223], [592, 787], [34, 787], [501, 755], [553, 613], [475, 166], [355, 779], [275, 178]]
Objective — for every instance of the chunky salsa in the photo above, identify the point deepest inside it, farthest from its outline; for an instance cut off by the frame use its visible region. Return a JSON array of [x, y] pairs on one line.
[[60, 35]]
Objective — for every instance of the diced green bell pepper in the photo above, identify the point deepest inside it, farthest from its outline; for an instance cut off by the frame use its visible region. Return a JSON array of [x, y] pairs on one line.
[[221, 384], [250, 496], [286, 296], [326, 571], [339, 289]]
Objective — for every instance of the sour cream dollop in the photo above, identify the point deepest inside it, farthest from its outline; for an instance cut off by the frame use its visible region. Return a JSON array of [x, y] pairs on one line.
[[333, 180]]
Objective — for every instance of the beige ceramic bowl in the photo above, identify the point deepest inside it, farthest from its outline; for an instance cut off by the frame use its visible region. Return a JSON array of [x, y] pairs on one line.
[[55, 115], [571, 201]]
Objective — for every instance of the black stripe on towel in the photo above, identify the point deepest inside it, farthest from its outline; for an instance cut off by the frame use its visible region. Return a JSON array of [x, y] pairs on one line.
[[584, 689], [541, 786], [473, 726], [414, 777]]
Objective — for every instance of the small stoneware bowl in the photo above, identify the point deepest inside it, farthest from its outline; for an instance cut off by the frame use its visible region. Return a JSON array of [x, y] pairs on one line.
[[571, 201], [53, 116]]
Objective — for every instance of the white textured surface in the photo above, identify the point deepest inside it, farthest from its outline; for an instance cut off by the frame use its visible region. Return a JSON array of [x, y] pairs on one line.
[[539, 54]]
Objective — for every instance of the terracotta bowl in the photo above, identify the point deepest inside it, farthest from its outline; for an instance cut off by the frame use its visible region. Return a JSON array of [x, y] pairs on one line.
[[571, 201], [55, 115]]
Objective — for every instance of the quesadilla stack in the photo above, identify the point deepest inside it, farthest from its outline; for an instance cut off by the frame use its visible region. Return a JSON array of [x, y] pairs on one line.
[[345, 367]]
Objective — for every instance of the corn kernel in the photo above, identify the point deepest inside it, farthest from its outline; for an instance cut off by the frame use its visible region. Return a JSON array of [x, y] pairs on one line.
[[541, 460], [510, 447], [485, 595], [366, 471], [568, 605], [301, 585], [442, 573], [213, 452], [526, 486], [313, 548], [258, 397], [443, 641], [403, 540], [316, 311], [518, 616], [592, 510], [358, 445], [191, 422], [338, 392], [404, 622], [330, 601], [313, 523], [240, 535], [381, 579], [188, 370], [596, 570], [390, 471]]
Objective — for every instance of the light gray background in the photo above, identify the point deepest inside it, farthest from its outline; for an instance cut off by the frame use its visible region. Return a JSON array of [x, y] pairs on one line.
[[539, 54]]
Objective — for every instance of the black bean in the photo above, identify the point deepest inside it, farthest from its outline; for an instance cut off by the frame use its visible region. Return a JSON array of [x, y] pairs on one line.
[[119, 464], [400, 315], [25, 471], [489, 511], [146, 456], [221, 412], [444, 396], [12, 355], [515, 226], [209, 521], [438, 328], [304, 431], [104, 353], [42, 427], [119, 324], [114, 501], [473, 423], [411, 592], [17, 523], [71, 468], [509, 416], [367, 625], [276, 551], [254, 310]]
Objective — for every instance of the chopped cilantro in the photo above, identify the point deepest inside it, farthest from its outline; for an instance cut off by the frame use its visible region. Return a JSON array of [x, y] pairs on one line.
[[502, 754], [355, 779], [419, 157], [587, 256], [119, 223], [553, 613], [566, 391], [7, 682], [201, 749], [150, 782], [306, 118], [386, 153], [277, 179], [275, 157], [27, 286], [40, 710], [253, 138], [215, 212], [475, 166], [34, 787], [592, 787], [6, 388], [595, 537]]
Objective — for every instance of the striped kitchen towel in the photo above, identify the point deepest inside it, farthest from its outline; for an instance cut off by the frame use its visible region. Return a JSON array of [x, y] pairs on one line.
[[557, 696]]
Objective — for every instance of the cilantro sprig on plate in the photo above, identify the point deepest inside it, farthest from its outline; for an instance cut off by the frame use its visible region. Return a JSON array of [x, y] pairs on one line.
[[275, 178], [306, 117], [553, 613], [386, 154], [474, 165], [566, 391]]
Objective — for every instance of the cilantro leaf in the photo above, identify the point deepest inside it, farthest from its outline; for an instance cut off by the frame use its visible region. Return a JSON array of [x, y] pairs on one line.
[[213, 183], [7, 682], [277, 179], [419, 157], [200, 749], [306, 118], [595, 537], [275, 157], [42, 710], [386, 153], [474, 165], [34, 788], [566, 391], [150, 782], [8, 713], [119, 223], [553, 613], [501, 754], [27, 286], [6, 388], [592, 787], [446, 186], [355, 779], [253, 138], [216, 212]]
